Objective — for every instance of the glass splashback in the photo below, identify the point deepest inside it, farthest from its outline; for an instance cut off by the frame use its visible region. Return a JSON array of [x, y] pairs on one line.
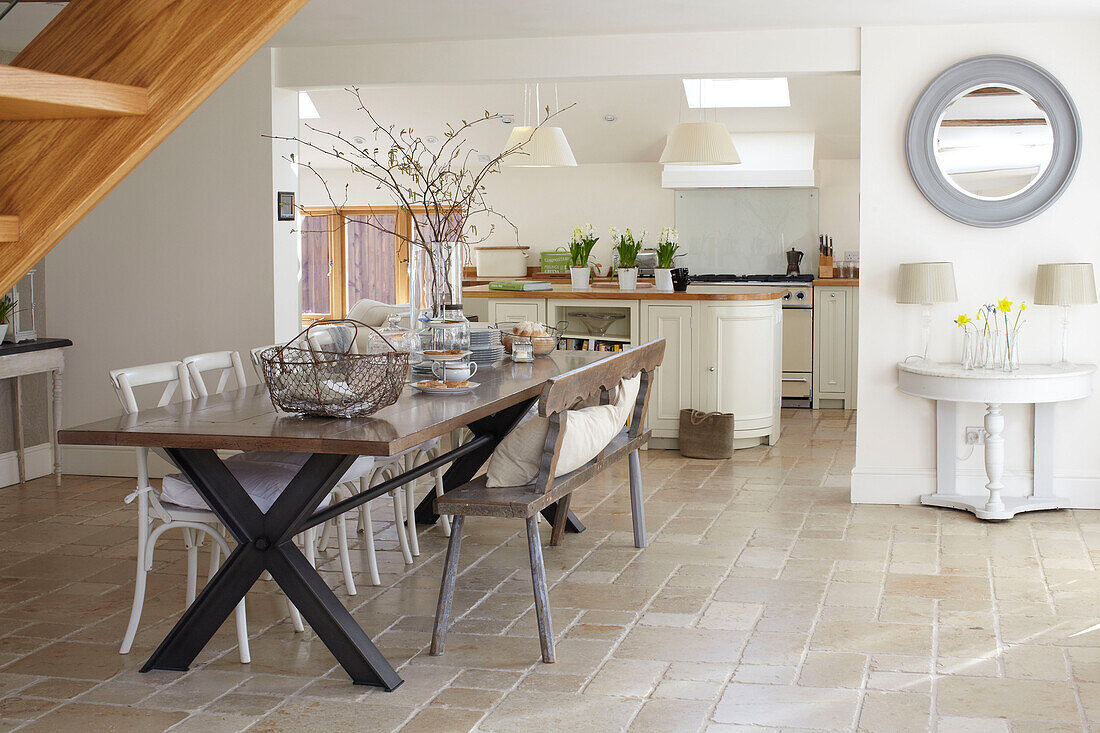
[[747, 230]]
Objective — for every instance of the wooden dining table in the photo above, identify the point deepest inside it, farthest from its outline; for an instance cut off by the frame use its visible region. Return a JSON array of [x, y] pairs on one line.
[[191, 433]]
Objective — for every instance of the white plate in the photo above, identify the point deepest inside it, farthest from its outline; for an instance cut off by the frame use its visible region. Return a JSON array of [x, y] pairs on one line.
[[470, 387], [446, 357]]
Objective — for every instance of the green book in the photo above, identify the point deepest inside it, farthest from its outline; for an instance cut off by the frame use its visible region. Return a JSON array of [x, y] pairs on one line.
[[520, 285]]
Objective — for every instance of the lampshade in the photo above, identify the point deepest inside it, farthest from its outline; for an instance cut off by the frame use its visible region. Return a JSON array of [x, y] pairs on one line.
[[545, 148], [1065, 283], [699, 143], [926, 282]]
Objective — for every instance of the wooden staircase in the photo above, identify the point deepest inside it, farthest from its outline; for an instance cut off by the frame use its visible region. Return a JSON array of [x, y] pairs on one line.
[[101, 86]]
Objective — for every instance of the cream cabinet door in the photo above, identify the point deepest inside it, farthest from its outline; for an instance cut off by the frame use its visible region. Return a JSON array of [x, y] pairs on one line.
[[672, 386], [739, 364], [830, 343], [517, 309]]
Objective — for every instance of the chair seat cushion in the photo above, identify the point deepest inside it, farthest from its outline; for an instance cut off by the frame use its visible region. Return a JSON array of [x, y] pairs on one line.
[[586, 432], [263, 474]]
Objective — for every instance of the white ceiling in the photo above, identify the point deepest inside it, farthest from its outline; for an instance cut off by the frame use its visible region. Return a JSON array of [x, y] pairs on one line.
[[325, 22], [646, 109]]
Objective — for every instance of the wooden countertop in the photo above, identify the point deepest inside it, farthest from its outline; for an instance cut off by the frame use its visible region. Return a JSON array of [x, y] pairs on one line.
[[694, 292], [837, 282]]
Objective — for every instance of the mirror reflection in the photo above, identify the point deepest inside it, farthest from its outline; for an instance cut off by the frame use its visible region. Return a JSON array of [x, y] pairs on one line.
[[993, 142]]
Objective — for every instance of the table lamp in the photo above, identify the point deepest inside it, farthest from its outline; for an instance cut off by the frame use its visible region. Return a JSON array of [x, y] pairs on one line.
[[925, 283], [1065, 284]]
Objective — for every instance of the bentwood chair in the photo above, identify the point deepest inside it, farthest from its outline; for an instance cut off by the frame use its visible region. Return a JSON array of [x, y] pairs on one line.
[[222, 365], [156, 514]]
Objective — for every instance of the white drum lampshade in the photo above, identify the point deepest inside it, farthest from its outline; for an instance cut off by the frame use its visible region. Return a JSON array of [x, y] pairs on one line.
[[1065, 284], [925, 283], [545, 147], [699, 143]]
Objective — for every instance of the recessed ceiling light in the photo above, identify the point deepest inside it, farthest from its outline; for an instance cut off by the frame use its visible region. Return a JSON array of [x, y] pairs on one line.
[[507, 119], [431, 139], [609, 117], [359, 140], [711, 93], [306, 108]]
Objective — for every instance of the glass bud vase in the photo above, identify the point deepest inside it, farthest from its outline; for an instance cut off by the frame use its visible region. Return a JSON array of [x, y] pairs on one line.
[[985, 349], [968, 354], [435, 278], [1012, 352], [998, 349]]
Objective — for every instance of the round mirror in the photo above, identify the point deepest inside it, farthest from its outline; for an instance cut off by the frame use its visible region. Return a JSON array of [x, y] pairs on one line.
[[993, 141]]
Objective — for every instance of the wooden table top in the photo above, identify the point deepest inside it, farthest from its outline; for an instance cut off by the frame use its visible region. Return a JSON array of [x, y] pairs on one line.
[[246, 420], [598, 292]]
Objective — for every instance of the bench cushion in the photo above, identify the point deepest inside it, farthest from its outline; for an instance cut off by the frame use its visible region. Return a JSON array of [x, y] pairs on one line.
[[587, 431]]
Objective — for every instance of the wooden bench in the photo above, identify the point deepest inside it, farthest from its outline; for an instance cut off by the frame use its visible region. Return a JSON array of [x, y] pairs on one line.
[[525, 502]]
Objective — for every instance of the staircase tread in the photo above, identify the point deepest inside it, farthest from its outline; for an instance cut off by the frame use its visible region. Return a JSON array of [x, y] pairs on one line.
[[28, 94]]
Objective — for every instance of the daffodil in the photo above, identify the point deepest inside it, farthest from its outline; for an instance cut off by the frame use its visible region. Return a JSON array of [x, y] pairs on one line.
[[1004, 305], [1023, 306], [962, 320]]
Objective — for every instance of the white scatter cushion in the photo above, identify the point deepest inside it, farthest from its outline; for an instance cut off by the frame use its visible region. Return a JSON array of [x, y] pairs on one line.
[[263, 474], [373, 313], [515, 462]]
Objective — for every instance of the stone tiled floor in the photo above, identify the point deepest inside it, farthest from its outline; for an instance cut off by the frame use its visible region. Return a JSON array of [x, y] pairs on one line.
[[765, 602]]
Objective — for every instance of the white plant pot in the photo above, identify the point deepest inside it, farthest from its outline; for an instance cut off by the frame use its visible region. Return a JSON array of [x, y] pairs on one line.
[[628, 278], [662, 278], [578, 277], [3, 332]]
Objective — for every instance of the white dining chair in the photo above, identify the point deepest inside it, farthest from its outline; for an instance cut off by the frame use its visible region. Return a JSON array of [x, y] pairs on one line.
[[155, 517], [222, 365]]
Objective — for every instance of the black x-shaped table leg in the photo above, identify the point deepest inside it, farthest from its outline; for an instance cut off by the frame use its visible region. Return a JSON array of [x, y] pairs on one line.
[[466, 467], [265, 542]]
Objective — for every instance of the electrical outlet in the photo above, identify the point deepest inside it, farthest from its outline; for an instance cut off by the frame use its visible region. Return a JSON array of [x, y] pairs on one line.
[[975, 436]]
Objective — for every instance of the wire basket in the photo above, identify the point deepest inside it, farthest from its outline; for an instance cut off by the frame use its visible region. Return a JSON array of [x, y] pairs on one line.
[[333, 383]]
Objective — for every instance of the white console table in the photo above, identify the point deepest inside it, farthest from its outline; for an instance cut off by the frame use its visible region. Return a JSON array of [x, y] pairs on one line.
[[1038, 385]]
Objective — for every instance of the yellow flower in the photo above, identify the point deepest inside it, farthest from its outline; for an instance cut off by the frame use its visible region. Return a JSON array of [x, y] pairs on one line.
[[1023, 306], [962, 320], [1004, 305]]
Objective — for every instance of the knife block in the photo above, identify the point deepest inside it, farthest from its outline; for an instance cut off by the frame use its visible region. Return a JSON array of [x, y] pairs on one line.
[[824, 266]]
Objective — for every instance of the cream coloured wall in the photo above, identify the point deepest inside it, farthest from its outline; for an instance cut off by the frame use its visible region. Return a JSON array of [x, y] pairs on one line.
[[177, 260], [895, 451], [838, 205]]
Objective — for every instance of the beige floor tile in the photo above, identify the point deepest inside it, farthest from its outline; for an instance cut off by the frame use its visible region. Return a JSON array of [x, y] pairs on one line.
[[626, 678], [596, 713], [681, 645], [1002, 698], [103, 719], [670, 716], [1035, 663], [872, 637], [832, 669], [787, 706], [895, 712], [442, 720]]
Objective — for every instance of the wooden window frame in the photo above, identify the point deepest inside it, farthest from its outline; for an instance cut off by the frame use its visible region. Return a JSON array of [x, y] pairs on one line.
[[337, 248]]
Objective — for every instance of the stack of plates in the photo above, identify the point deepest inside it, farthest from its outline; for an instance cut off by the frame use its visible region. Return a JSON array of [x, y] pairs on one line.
[[485, 346]]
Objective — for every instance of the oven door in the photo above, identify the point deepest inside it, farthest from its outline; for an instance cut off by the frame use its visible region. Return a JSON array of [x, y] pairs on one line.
[[798, 341]]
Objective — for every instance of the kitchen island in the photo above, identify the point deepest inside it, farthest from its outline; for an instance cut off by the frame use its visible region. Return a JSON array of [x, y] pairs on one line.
[[723, 353]]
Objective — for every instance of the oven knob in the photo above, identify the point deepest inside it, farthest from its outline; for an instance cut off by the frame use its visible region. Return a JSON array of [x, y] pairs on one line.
[[800, 295], [787, 295]]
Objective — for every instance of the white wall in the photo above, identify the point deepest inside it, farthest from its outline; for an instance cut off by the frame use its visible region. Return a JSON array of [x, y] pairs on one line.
[[838, 205], [895, 453], [177, 260]]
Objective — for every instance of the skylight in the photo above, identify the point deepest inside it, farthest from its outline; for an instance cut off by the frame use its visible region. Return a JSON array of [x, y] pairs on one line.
[[306, 108], [711, 93]]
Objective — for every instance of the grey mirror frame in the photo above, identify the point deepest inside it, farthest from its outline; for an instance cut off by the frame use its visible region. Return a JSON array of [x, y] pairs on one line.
[[995, 69]]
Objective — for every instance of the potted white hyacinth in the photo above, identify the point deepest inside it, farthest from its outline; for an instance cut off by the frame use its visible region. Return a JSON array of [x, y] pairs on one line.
[[627, 248], [580, 247], [667, 245]]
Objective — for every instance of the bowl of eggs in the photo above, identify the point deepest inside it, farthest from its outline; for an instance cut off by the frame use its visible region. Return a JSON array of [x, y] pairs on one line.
[[544, 339]]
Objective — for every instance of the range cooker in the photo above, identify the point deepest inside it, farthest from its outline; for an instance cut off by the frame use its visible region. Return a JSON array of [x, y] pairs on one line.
[[798, 329]]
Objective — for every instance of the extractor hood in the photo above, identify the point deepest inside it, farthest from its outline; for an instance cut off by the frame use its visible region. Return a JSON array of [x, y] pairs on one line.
[[768, 160]]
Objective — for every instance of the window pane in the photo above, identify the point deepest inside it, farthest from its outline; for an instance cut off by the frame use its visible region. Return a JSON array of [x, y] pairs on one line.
[[315, 266], [370, 259]]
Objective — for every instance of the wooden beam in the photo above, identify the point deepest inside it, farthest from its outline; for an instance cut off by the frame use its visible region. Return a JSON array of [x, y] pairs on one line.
[[9, 228], [988, 122], [26, 94], [54, 171]]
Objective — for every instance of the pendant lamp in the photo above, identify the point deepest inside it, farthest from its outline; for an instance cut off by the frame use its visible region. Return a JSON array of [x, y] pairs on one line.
[[538, 147], [700, 143]]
